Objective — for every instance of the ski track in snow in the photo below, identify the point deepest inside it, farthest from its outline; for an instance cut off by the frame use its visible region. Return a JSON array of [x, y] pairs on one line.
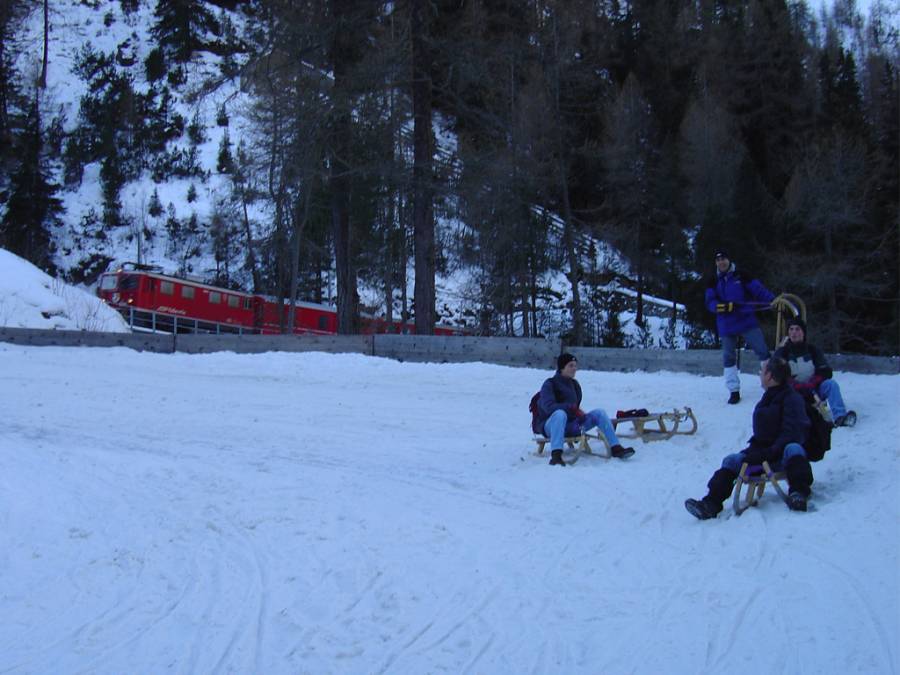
[[340, 514]]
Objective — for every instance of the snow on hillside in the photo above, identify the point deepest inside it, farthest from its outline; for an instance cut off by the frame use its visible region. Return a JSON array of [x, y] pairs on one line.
[[314, 513], [29, 298]]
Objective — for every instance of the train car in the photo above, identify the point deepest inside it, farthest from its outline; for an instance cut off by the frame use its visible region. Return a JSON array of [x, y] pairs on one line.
[[151, 300]]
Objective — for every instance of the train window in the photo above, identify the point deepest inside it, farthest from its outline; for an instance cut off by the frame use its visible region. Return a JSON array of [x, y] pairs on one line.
[[323, 323], [166, 287], [108, 282], [128, 282], [187, 292], [215, 297], [246, 303], [232, 301]]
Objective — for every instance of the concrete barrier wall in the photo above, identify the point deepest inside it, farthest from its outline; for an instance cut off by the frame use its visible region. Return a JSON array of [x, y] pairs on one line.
[[142, 342], [521, 352], [255, 344], [701, 361]]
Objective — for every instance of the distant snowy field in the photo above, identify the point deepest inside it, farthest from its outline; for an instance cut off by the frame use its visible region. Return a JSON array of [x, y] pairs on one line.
[[313, 513]]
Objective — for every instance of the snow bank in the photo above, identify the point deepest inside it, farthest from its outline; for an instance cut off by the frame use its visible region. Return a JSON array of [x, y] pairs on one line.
[[29, 298]]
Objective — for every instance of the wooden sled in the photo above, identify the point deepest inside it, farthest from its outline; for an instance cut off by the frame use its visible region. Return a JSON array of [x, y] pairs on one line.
[[667, 425], [756, 485], [580, 444]]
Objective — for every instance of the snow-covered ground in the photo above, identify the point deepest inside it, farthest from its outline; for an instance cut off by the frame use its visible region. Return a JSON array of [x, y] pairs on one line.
[[313, 513]]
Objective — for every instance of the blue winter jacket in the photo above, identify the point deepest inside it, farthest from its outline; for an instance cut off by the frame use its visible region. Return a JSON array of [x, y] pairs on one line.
[[559, 393], [778, 419], [729, 287]]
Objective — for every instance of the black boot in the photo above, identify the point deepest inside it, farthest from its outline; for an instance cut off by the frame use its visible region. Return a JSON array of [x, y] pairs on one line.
[[701, 509], [796, 501], [620, 452], [734, 397], [556, 457], [799, 477]]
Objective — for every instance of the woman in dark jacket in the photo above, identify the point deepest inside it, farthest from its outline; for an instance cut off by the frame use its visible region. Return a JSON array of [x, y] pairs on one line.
[[560, 414], [780, 428]]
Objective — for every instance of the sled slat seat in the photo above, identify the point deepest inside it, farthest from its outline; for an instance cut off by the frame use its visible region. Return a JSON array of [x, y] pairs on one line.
[[667, 425], [756, 477], [578, 443]]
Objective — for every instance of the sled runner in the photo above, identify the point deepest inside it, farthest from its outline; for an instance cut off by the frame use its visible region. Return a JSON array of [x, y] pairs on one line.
[[667, 425], [756, 478], [580, 444]]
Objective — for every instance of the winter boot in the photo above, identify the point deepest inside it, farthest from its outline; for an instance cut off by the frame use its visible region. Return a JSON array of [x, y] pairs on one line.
[[796, 501], [847, 420], [701, 509], [556, 458], [800, 478], [620, 452], [734, 397]]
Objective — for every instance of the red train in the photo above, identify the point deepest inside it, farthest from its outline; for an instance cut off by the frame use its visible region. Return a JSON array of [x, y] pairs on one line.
[[150, 300]]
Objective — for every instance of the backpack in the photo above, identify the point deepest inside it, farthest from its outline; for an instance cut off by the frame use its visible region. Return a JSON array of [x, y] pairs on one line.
[[819, 441], [535, 411]]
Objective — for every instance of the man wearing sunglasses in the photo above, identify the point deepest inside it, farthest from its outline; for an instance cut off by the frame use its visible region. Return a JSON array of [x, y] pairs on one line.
[[734, 299]]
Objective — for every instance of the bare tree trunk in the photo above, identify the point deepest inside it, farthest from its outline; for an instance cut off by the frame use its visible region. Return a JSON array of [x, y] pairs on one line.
[[42, 80], [423, 217], [296, 236], [341, 50], [248, 235], [569, 234]]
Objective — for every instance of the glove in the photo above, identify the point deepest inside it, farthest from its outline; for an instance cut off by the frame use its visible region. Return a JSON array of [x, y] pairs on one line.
[[577, 412], [724, 307], [754, 456]]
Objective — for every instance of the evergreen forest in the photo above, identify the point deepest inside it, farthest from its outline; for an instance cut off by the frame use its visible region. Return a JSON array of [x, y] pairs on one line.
[[382, 145]]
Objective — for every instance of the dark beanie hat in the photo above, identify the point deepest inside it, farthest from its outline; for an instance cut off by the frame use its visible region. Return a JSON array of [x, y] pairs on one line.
[[722, 253], [563, 359], [797, 321]]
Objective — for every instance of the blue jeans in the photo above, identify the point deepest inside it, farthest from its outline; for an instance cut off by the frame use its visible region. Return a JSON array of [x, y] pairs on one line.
[[555, 427], [734, 461], [755, 340], [831, 392]]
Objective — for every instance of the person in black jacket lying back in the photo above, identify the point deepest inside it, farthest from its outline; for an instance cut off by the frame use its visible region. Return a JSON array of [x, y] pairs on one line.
[[780, 428]]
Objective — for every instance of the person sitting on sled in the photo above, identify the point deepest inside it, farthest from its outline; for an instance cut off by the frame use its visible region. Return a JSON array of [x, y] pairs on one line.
[[780, 428], [560, 414], [734, 297], [810, 373]]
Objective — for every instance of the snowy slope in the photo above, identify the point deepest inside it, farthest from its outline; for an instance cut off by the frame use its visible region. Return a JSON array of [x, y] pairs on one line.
[[312, 513], [29, 298]]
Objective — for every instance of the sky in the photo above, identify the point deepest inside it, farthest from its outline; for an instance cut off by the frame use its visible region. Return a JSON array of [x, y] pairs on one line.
[[336, 513]]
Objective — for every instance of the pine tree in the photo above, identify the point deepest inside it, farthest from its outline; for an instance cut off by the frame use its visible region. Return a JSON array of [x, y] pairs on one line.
[[33, 207], [182, 27], [225, 162]]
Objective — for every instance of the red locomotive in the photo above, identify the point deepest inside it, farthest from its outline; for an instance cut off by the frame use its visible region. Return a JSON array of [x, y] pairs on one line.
[[150, 300]]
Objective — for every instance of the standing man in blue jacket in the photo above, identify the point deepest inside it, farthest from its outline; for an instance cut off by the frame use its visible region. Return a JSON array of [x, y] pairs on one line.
[[734, 299], [560, 413]]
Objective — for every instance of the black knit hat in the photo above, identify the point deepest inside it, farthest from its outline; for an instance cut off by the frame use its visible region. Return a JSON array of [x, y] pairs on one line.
[[563, 359], [722, 253], [797, 321]]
